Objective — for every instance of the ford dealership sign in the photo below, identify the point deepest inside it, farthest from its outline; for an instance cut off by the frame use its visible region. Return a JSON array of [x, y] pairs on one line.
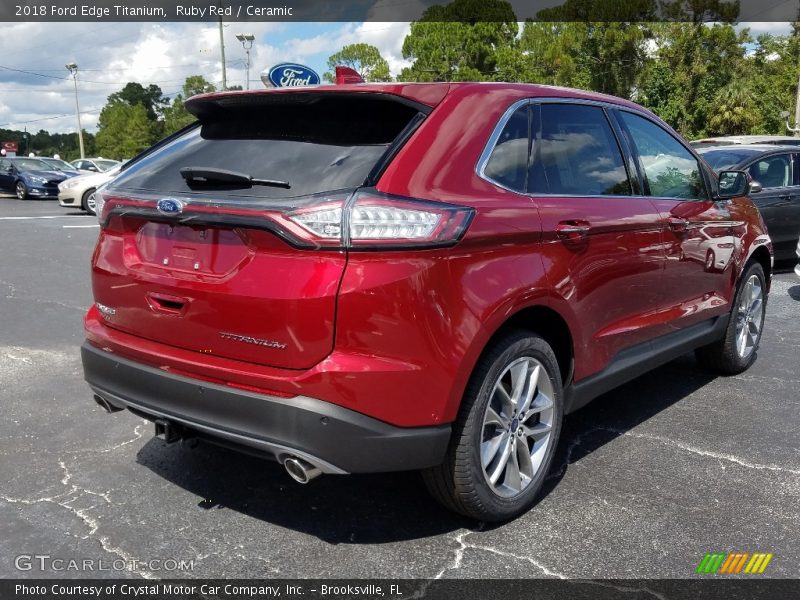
[[290, 75]]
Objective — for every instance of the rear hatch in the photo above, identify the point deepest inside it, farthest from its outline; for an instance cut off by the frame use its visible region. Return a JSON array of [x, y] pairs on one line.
[[208, 261]]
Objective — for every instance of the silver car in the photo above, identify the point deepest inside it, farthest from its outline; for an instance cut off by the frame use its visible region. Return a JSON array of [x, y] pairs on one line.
[[78, 192]]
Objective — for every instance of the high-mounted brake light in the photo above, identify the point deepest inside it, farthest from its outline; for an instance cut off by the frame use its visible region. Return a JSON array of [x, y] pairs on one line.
[[347, 75]]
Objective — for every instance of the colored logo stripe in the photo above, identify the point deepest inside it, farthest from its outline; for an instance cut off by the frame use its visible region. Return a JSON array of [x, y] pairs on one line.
[[733, 562]]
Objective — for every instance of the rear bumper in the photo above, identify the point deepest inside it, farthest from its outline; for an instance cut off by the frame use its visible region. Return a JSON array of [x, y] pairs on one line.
[[333, 438]]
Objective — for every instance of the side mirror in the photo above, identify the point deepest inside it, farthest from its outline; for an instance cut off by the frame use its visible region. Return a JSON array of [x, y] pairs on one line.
[[733, 184], [755, 187]]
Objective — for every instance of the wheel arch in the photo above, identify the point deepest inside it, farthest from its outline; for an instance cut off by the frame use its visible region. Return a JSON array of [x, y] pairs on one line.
[[761, 255]]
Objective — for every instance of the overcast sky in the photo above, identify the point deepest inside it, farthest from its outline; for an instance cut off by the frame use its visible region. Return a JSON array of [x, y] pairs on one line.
[[111, 54], [39, 94]]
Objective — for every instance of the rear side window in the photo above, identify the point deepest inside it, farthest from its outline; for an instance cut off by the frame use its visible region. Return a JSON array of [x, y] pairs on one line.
[[671, 170], [508, 163], [772, 172], [316, 143], [575, 152]]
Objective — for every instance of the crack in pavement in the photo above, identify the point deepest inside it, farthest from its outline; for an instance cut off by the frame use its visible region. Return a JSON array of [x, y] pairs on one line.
[[579, 439], [67, 498], [11, 294], [459, 552]]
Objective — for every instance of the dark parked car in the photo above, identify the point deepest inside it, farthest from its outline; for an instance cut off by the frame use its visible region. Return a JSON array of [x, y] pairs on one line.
[[355, 279], [731, 140], [61, 165], [29, 177], [776, 170]]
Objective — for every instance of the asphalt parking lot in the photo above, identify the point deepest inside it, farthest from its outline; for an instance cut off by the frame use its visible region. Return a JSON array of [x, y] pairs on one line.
[[647, 479]]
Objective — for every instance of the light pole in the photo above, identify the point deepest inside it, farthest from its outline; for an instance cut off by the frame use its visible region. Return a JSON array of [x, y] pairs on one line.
[[73, 70], [785, 115], [247, 43]]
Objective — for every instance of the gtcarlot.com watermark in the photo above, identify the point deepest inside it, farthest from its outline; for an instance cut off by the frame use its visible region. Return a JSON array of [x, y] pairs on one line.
[[48, 563]]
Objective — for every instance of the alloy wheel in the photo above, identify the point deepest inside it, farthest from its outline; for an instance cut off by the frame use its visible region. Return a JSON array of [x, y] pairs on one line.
[[517, 426], [749, 317]]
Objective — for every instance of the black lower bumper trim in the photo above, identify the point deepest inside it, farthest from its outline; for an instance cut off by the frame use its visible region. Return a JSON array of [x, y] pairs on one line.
[[336, 439]]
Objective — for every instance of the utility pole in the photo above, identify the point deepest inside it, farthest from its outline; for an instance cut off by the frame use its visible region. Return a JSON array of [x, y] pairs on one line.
[[222, 54], [797, 109], [73, 69]]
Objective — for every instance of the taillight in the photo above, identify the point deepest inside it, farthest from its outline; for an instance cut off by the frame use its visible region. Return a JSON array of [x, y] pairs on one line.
[[373, 220], [357, 220]]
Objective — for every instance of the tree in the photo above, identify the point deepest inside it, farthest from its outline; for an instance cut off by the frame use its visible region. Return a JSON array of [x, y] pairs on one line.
[[124, 130], [150, 97], [459, 41], [735, 111], [363, 58], [175, 115]]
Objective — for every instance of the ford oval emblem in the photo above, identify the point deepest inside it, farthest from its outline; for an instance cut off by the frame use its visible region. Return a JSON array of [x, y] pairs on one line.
[[290, 75], [169, 206]]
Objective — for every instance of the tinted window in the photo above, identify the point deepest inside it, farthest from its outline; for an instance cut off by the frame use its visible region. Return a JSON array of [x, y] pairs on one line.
[[508, 164], [773, 171], [722, 159], [575, 152], [316, 143], [671, 170]]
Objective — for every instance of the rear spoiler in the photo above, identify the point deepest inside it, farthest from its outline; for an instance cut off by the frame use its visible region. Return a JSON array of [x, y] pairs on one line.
[[347, 75]]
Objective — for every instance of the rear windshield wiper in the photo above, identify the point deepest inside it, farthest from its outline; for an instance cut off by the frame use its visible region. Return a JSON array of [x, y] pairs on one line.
[[208, 175]]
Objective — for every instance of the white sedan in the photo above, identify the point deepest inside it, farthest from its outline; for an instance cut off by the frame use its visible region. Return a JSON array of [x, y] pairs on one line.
[[78, 192]]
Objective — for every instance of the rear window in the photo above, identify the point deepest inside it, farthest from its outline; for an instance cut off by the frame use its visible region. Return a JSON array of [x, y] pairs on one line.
[[726, 158], [316, 143]]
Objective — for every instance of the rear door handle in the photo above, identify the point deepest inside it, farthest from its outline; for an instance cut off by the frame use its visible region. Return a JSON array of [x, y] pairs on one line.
[[677, 224], [572, 230]]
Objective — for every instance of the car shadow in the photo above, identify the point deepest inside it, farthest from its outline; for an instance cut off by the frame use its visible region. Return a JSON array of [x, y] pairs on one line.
[[615, 413], [355, 509], [374, 509], [794, 292]]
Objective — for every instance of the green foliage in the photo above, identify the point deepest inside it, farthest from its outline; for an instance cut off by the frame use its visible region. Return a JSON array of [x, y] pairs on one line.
[[175, 115], [124, 130], [47, 144], [459, 41], [363, 58], [735, 111], [150, 97]]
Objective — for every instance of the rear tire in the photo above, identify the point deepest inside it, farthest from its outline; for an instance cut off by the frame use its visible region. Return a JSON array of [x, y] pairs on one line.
[[506, 433], [736, 350], [88, 203], [21, 190]]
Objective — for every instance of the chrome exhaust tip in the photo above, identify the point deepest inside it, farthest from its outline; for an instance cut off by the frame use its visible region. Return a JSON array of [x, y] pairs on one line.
[[106, 405], [300, 470]]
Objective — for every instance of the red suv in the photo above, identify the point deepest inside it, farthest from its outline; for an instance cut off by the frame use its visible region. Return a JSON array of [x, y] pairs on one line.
[[369, 278]]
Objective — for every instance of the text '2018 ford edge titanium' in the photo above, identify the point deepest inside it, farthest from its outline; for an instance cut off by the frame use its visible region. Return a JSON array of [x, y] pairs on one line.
[[372, 278]]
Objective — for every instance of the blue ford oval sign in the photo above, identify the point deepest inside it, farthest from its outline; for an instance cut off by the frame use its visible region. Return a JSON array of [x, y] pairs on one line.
[[292, 75], [169, 206]]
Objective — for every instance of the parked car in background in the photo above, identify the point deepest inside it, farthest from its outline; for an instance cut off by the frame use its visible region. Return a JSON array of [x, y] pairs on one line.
[[61, 165], [29, 178], [777, 171], [78, 192], [735, 140], [360, 279], [95, 165]]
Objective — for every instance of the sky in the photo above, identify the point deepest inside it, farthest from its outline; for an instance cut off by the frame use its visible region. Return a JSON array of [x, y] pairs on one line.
[[37, 92]]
